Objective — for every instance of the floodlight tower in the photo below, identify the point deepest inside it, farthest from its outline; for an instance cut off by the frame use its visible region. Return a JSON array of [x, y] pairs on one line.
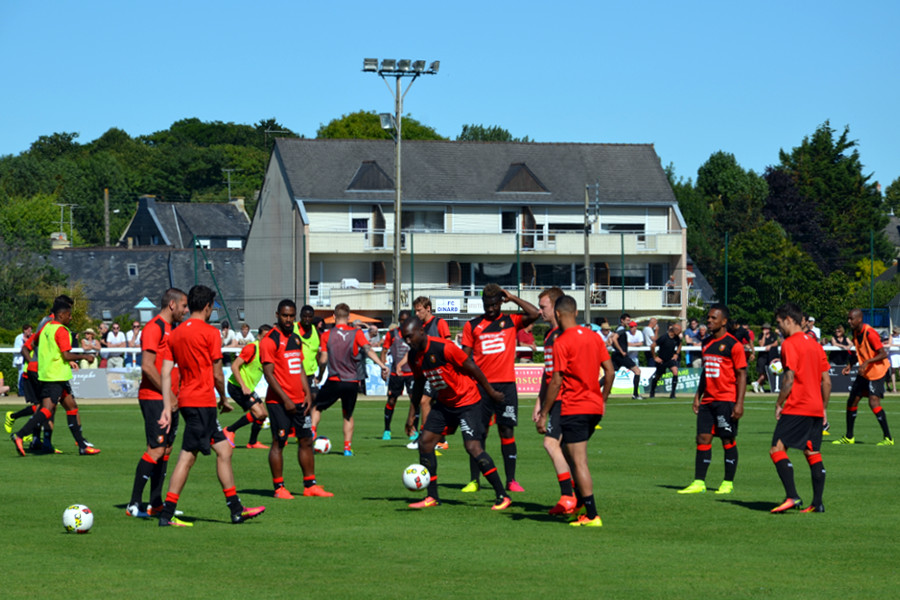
[[398, 69]]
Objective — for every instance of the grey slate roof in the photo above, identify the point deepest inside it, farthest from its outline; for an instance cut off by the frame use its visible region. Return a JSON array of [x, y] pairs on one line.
[[180, 221], [472, 172], [103, 274]]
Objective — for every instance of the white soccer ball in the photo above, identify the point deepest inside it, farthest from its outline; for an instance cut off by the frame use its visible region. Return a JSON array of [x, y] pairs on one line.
[[776, 367], [416, 477], [322, 445], [78, 518]]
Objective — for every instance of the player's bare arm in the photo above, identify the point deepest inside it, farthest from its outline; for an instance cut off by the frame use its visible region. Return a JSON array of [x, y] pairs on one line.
[[787, 383], [148, 369], [165, 420], [738, 411], [219, 378]]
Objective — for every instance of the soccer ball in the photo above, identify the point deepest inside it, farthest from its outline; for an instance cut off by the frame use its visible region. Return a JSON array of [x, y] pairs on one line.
[[322, 445], [776, 367], [78, 518], [416, 477]]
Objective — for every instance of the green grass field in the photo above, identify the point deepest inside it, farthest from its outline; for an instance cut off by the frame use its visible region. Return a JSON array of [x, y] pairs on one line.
[[366, 543]]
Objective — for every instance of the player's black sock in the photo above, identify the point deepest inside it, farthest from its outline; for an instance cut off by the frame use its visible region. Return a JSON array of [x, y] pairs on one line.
[[245, 419], [37, 420], [786, 473], [25, 412], [233, 501], [731, 460], [851, 420], [882, 420], [277, 482], [637, 384], [510, 454], [255, 428], [674, 386], [565, 484], [589, 507], [157, 478], [142, 475], [489, 470], [702, 460], [74, 427], [168, 509], [653, 381], [388, 416], [817, 470], [429, 461], [309, 481], [474, 470]]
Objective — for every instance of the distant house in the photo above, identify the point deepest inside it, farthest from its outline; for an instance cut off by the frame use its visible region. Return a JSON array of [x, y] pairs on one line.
[[176, 224]]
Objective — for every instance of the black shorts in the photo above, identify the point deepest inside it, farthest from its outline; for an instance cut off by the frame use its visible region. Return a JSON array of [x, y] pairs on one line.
[[32, 388], [244, 401], [578, 428], [156, 436], [762, 363], [396, 383], [620, 361], [864, 388], [507, 412], [55, 390], [715, 418], [664, 365], [554, 427], [281, 423], [444, 420], [799, 431], [201, 428], [332, 391]]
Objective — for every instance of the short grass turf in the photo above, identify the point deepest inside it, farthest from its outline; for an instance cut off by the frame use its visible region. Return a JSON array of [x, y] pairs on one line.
[[366, 543]]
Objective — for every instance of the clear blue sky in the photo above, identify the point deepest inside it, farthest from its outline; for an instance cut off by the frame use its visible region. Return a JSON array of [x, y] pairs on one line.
[[692, 78]]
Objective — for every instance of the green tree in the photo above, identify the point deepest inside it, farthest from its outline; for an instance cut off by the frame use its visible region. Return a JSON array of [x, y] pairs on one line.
[[735, 196], [365, 125], [28, 222], [494, 133], [892, 197]]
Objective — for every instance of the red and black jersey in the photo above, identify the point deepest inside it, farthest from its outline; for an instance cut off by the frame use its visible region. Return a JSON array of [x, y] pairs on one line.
[[548, 354], [578, 354], [493, 345], [437, 327], [440, 364], [194, 346], [722, 357], [805, 357], [285, 354], [154, 338], [343, 344], [397, 348]]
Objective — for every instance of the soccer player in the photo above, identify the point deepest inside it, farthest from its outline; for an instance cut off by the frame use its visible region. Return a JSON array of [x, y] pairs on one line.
[[800, 408], [54, 374], [196, 347], [246, 371], [309, 336], [719, 400], [154, 463], [552, 437], [288, 399], [490, 340], [435, 327], [401, 374], [620, 356], [579, 356], [453, 376], [341, 349], [873, 366], [665, 352]]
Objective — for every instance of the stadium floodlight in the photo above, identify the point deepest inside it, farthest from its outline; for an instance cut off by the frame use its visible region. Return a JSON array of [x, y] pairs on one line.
[[391, 68]]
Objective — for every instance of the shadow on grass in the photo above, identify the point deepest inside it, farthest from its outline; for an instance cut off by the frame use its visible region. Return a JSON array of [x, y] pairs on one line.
[[534, 512], [758, 506], [407, 500]]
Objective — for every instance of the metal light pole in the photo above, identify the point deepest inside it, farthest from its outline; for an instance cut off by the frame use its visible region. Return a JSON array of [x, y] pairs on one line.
[[590, 216], [398, 69]]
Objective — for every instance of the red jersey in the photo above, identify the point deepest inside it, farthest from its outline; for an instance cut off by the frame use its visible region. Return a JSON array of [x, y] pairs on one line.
[[439, 363], [548, 354], [493, 345], [154, 338], [285, 354], [437, 327], [722, 357], [343, 344], [397, 348], [578, 353], [194, 346], [868, 344], [805, 358]]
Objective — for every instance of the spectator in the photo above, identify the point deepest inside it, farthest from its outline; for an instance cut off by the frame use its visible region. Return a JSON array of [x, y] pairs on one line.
[[115, 339], [18, 359], [229, 340], [807, 327], [650, 333], [813, 328], [635, 340], [769, 342], [101, 337], [692, 337], [605, 333], [4, 389], [894, 355], [89, 343], [373, 337], [245, 336], [133, 340], [525, 337], [840, 357]]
